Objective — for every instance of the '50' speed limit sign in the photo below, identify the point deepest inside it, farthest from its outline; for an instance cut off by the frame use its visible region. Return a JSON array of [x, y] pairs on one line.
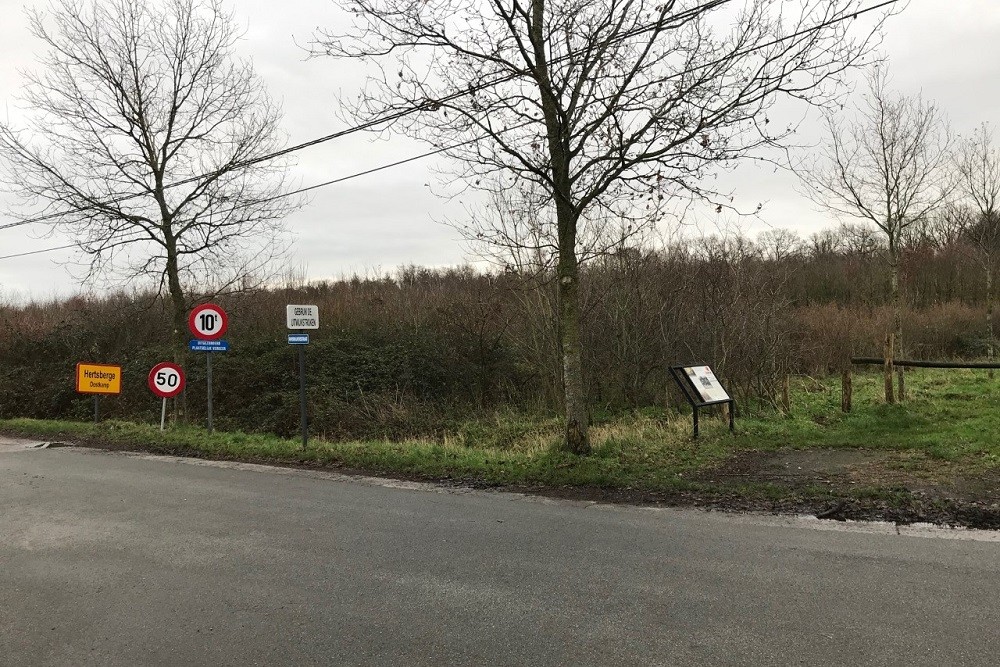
[[208, 322], [166, 380]]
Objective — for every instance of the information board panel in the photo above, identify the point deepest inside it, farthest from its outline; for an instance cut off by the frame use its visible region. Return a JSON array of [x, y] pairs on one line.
[[706, 384], [702, 390]]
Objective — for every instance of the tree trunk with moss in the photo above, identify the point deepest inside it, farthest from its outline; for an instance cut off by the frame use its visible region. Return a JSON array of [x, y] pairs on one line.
[[568, 265]]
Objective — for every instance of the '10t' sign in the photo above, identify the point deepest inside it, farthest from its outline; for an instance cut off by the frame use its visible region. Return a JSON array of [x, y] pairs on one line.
[[208, 322], [302, 317]]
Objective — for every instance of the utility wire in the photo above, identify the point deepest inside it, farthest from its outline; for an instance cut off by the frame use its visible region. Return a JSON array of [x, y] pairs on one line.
[[359, 174], [38, 252], [316, 186], [425, 105], [431, 104]]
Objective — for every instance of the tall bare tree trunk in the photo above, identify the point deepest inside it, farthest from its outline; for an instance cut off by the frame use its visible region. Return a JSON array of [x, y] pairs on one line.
[[897, 320], [178, 308], [894, 344], [989, 312], [577, 420], [567, 269], [897, 327]]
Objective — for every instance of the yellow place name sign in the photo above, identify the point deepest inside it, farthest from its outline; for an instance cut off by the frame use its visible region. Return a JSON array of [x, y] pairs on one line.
[[98, 379]]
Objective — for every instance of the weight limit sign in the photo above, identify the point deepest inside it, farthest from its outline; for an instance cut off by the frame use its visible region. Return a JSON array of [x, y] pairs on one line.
[[208, 322]]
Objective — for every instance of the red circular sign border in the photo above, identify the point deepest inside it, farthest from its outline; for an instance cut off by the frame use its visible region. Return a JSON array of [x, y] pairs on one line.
[[194, 314], [159, 367]]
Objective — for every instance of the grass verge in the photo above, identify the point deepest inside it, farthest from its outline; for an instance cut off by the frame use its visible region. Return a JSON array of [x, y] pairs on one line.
[[623, 458], [935, 457]]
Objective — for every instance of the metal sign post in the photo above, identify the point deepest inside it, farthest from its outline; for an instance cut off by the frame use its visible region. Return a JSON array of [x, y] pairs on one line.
[[303, 419], [209, 347], [166, 380], [299, 317], [208, 322], [98, 379], [301, 340], [208, 377]]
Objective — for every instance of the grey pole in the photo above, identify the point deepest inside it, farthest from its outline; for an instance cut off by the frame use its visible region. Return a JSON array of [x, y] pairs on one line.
[[97, 414], [163, 415], [302, 395], [209, 358]]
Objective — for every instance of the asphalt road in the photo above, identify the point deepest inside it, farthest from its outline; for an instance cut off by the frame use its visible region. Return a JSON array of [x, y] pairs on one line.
[[113, 559]]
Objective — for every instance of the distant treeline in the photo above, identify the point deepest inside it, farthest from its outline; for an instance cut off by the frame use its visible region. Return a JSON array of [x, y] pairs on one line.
[[421, 350]]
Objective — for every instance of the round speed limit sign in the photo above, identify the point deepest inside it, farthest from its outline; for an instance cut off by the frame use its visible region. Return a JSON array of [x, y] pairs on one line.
[[208, 322], [166, 380]]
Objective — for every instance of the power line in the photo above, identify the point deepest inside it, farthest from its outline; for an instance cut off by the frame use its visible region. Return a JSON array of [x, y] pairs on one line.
[[295, 192], [38, 252], [432, 104], [456, 95], [426, 105], [316, 186]]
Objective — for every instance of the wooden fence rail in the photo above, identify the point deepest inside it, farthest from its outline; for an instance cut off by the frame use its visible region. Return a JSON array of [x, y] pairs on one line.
[[876, 361]]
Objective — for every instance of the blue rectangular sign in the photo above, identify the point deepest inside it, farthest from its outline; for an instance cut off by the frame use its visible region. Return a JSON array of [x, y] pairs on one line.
[[298, 339], [209, 345]]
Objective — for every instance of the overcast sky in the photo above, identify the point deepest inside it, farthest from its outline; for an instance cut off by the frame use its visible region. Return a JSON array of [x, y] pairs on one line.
[[948, 50]]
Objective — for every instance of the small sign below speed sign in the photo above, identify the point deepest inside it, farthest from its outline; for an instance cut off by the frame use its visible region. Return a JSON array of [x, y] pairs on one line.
[[208, 322], [166, 380]]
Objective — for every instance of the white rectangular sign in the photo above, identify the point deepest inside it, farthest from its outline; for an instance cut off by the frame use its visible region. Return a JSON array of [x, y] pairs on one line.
[[706, 384], [302, 317]]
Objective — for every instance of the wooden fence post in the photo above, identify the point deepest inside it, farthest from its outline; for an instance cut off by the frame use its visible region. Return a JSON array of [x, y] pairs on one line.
[[890, 398], [786, 400], [846, 390]]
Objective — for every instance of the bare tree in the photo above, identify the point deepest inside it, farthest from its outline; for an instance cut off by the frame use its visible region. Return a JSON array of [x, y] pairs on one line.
[[613, 106], [888, 167], [948, 227], [515, 231], [825, 243], [979, 168], [147, 141], [780, 244], [859, 240]]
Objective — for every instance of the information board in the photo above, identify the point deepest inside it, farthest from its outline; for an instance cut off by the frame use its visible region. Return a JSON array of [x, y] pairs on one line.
[[703, 390], [706, 384]]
